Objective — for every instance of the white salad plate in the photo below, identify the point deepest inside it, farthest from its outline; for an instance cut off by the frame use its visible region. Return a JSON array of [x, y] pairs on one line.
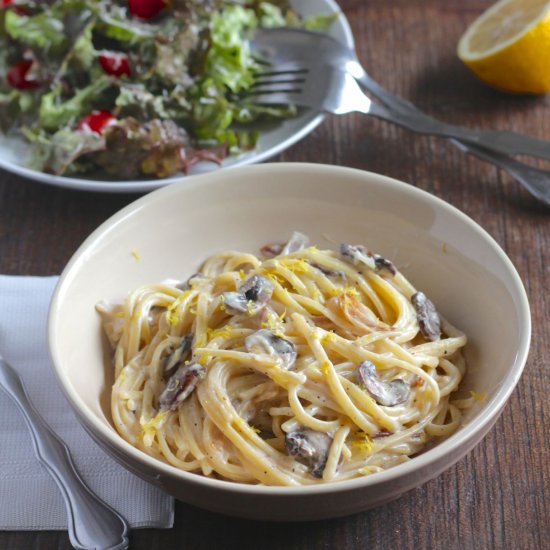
[[14, 153]]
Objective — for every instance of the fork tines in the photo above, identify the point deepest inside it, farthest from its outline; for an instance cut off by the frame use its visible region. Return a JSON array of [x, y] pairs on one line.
[[275, 79]]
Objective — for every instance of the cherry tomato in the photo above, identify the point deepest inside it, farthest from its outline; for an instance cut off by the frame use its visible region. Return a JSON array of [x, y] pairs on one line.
[[18, 10], [96, 121], [146, 9], [115, 63], [19, 78]]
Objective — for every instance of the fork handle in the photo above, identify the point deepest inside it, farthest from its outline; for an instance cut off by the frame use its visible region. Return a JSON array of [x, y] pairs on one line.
[[535, 180], [92, 523], [504, 142]]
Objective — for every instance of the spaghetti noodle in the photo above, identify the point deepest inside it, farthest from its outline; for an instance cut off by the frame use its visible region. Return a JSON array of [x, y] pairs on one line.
[[299, 367]]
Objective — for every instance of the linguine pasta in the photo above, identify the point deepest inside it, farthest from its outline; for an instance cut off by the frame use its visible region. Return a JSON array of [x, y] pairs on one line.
[[298, 367]]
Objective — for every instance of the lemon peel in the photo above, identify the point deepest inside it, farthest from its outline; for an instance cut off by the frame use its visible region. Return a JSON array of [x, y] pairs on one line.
[[362, 442], [224, 332], [478, 396], [173, 316], [508, 46]]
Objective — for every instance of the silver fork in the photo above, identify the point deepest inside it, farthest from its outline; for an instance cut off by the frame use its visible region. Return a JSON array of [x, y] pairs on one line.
[[296, 54], [92, 524]]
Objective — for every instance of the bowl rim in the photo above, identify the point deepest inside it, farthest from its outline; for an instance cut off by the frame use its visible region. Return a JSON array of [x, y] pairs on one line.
[[452, 446]]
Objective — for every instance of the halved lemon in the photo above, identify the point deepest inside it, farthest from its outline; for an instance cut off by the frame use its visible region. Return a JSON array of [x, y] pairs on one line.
[[508, 46]]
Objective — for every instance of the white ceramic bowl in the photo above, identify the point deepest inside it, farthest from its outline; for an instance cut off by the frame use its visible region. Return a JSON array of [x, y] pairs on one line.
[[437, 247]]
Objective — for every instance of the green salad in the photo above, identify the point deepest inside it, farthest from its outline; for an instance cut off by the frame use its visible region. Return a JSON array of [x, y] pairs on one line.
[[133, 87]]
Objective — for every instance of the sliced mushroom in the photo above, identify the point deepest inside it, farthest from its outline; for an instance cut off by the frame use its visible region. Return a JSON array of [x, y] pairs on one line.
[[310, 446], [298, 241], [173, 361], [327, 271], [270, 250], [382, 433], [358, 254], [251, 297], [384, 393], [186, 285], [234, 302], [265, 342], [180, 386], [427, 316], [383, 264]]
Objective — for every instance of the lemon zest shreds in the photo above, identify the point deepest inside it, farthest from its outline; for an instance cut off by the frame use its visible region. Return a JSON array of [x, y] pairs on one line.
[[273, 322], [325, 367], [224, 332], [202, 356], [367, 471], [242, 425], [135, 254], [362, 442], [327, 338], [173, 316], [478, 396], [347, 291], [242, 274], [277, 279], [201, 341], [295, 265], [151, 426]]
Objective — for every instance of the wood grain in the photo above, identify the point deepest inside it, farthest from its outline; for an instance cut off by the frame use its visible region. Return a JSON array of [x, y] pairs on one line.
[[496, 497]]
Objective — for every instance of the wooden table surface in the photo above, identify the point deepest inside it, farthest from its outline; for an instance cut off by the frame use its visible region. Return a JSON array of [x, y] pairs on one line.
[[496, 497]]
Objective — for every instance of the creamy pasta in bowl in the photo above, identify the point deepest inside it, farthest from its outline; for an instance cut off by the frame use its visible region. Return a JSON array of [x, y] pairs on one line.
[[295, 367], [252, 341]]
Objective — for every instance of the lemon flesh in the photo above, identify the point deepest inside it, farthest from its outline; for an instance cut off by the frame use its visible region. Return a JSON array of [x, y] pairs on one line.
[[508, 46]]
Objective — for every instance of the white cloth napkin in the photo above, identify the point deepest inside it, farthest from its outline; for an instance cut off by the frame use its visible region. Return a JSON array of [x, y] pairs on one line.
[[29, 498]]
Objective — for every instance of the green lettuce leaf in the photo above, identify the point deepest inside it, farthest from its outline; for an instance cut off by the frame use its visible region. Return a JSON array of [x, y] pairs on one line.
[[271, 15], [321, 22], [229, 61], [134, 100], [249, 112], [211, 113], [55, 111], [58, 152], [171, 64], [14, 105], [114, 22], [42, 30], [8, 109], [83, 51], [3, 56]]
